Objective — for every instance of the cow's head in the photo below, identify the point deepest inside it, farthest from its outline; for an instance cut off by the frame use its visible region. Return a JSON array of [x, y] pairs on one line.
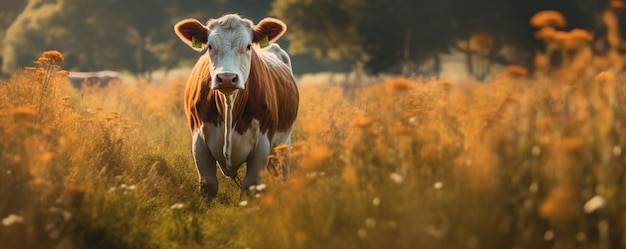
[[228, 41]]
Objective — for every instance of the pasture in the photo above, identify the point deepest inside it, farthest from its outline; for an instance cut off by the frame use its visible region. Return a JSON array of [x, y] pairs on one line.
[[517, 162]]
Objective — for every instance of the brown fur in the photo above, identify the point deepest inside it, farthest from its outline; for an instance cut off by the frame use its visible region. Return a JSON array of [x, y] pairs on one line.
[[270, 96]]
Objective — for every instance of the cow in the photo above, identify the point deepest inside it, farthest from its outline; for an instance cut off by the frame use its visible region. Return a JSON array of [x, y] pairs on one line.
[[241, 98], [101, 78]]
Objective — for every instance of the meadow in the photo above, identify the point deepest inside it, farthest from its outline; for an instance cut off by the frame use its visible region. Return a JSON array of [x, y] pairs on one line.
[[521, 161]]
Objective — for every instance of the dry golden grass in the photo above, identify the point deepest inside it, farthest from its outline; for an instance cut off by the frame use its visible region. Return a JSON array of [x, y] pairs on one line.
[[519, 162], [514, 162]]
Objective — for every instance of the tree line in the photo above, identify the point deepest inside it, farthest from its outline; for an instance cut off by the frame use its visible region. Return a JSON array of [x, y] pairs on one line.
[[376, 35], [132, 35]]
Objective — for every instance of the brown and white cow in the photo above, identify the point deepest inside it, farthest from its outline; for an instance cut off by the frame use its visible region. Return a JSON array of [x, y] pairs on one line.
[[241, 100]]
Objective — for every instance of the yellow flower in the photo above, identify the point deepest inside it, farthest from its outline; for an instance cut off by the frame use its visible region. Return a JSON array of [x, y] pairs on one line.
[[24, 113], [50, 57], [581, 35], [399, 84], [604, 77], [480, 40], [515, 71], [445, 84], [63, 73], [281, 147], [571, 144], [547, 18], [617, 5], [362, 122]]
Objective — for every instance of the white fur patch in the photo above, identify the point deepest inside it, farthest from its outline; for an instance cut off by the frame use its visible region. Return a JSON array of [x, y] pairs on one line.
[[243, 145], [228, 101]]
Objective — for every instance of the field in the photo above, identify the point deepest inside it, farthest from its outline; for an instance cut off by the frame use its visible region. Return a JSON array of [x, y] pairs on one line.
[[518, 162]]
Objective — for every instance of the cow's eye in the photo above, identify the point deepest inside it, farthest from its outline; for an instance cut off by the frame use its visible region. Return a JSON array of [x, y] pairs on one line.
[[249, 47]]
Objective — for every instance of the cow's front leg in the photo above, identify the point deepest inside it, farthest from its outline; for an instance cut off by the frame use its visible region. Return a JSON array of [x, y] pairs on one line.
[[205, 163], [255, 163]]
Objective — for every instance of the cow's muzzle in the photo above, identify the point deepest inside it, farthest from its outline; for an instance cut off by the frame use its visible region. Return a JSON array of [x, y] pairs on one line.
[[227, 82]]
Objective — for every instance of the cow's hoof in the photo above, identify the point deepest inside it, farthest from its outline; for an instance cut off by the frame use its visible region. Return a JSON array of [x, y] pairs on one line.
[[207, 190]]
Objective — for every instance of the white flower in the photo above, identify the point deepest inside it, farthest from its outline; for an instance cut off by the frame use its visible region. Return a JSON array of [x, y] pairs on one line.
[[49, 226], [397, 178], [392, 224], [438, 185], [66, 215], [12, 219], [548, 235], [594, 204], [132, 187], [536, 150], [260, 187], [534, 187], [362, 233], [55, 234], [370, 223], [243, 203], [376, 201], [617, 150], [581, 236], [177, 206]]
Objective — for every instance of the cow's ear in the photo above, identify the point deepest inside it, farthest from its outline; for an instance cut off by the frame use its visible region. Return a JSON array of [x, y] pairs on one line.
[[271, 28], [193, 33]]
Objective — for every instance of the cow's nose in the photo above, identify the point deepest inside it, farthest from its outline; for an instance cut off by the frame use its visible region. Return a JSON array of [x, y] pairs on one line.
[[227, 80]]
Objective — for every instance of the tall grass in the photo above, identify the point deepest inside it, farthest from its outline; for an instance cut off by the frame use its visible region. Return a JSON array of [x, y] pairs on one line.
[[518, 162], [513, 163]]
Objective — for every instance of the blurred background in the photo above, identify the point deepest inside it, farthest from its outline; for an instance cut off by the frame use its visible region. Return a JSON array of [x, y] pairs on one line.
[[393, 36]]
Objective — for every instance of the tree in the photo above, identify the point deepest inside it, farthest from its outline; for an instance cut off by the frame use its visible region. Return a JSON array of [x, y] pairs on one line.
[[119, 35], [400, 32], [388, 35], [9, 10], [326, 28], [22, 41], [95, 35]]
